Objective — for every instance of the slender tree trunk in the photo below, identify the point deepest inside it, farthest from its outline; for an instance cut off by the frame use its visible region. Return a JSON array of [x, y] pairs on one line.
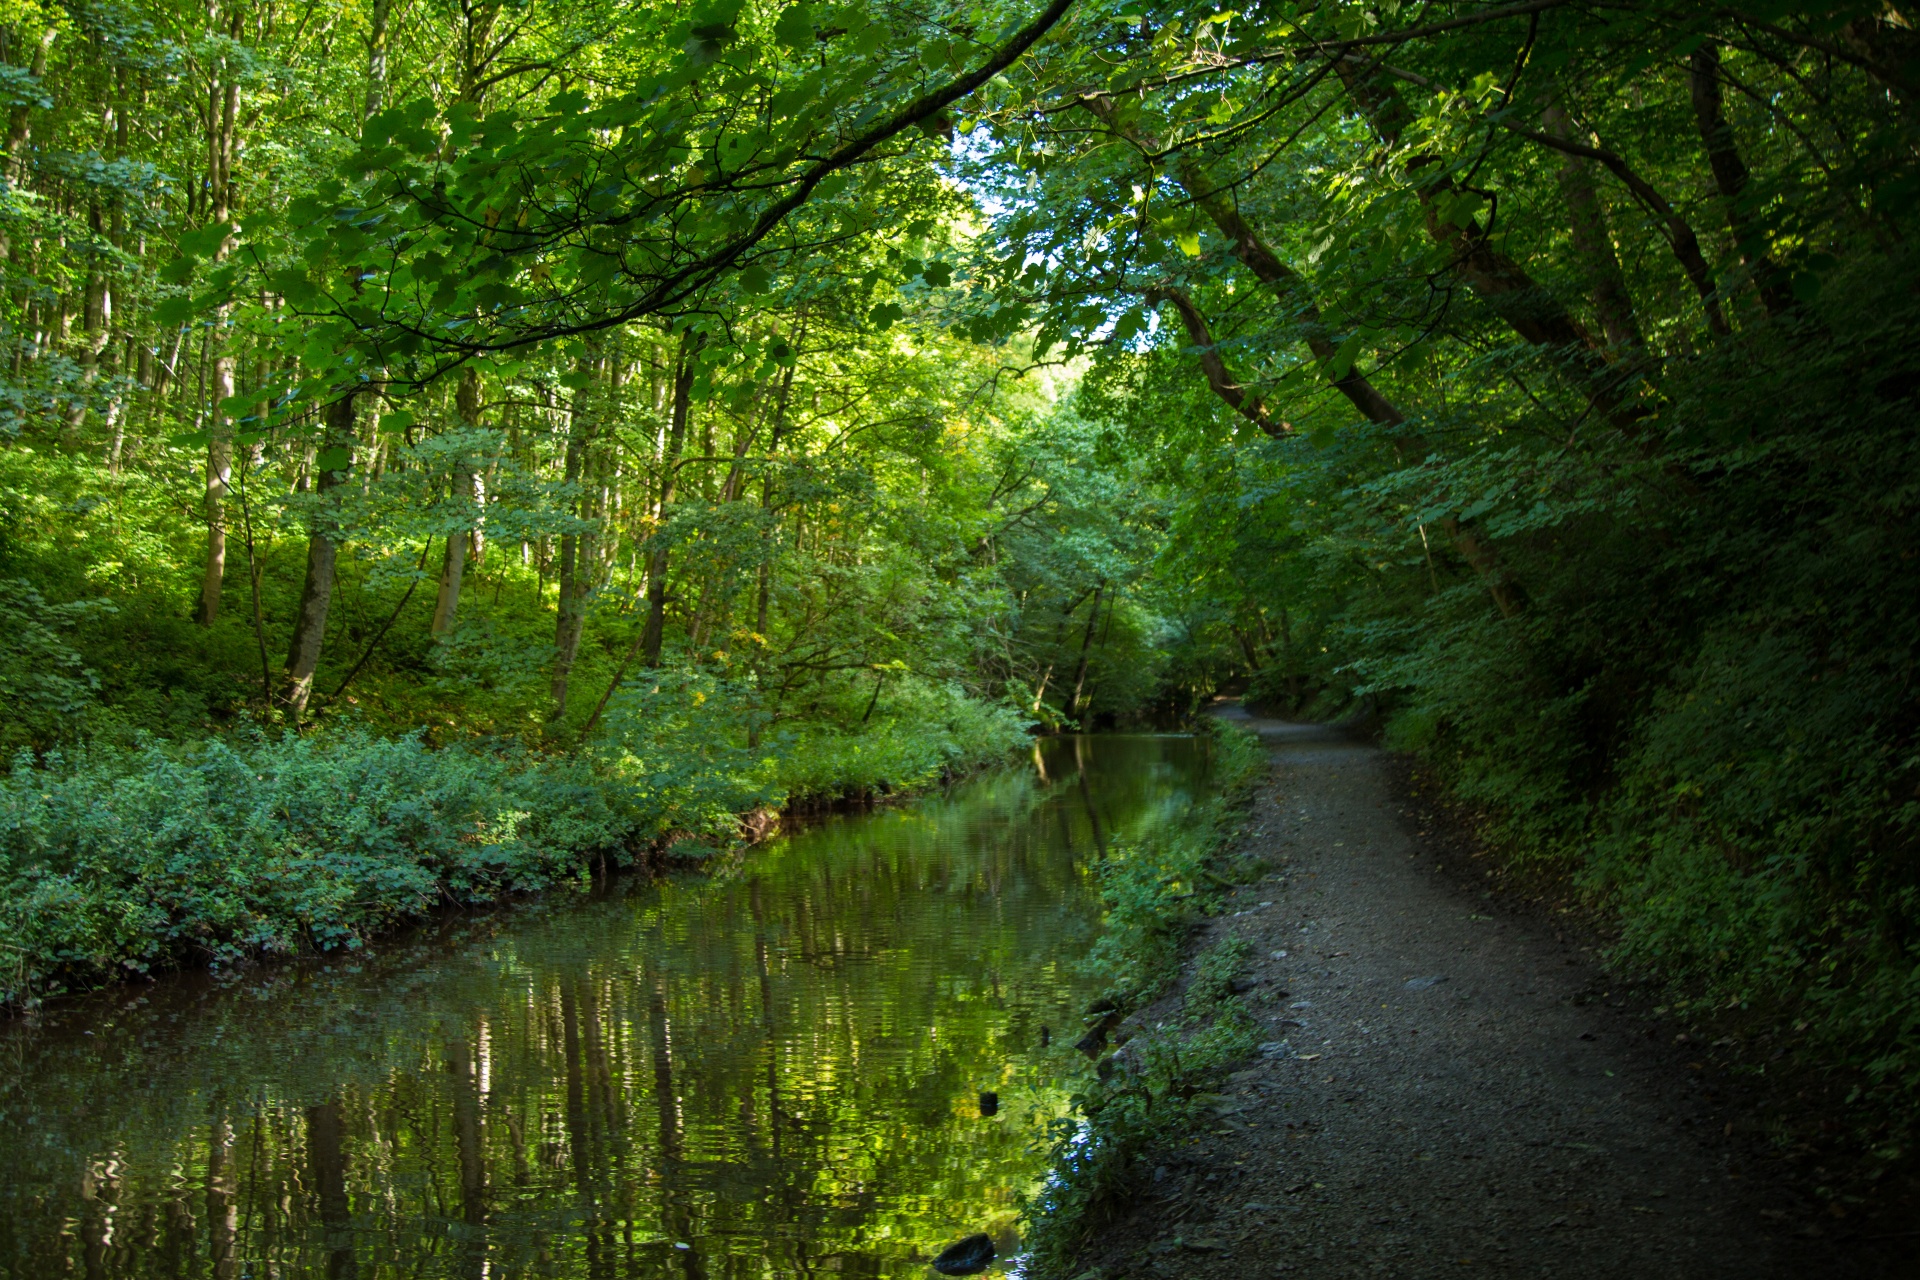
[[96, 317], [577, 553], [377, 19], [654, 638], [1247, 648], [219, 479], [223, 123], [19, 129], [1040, 690], [453, 569], [323, 549], [1294, 691], [1730, 177], [1086, 653]]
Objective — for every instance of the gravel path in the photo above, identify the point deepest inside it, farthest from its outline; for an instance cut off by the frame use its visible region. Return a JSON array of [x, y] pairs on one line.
[[1456, 1095]]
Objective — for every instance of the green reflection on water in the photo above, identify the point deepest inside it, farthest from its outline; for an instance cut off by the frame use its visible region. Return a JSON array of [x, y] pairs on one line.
[[770, 1071]]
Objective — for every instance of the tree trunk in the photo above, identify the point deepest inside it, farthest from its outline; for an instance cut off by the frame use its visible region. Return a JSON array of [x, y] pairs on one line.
[[577, 556], [453, 568], [219, 478], [223, 123], [1086, 653], [1592, 243], [770, 538], [654, 637], [1730, 177], [323, 550], [377, 20], [20, 119]]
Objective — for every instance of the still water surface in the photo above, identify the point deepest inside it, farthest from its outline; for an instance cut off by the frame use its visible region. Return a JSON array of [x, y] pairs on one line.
[[772, 1070]]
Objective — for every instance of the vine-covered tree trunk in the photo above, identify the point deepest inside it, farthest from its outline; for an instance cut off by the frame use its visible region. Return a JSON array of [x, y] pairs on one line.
[[453, 566], [654, 637], [332, 464], [578, 554]]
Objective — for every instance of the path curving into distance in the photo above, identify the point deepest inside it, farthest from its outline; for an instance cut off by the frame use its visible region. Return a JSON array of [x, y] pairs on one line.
[[1458, 1092]]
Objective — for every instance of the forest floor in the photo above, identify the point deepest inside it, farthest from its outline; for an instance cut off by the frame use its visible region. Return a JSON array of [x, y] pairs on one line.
[[1451, 1084]]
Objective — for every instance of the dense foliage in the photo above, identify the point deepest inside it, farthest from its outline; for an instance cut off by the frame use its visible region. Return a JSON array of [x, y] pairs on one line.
[[831, 384], [1543, 373]]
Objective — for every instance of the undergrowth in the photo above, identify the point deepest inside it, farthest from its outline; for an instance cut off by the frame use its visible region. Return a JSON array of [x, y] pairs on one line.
[[118, 861]]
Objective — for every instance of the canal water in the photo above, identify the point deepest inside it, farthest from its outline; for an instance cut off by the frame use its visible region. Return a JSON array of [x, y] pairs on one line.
[[772, 1069]]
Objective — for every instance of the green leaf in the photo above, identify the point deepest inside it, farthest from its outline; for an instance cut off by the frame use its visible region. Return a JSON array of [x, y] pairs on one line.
[[794, 28], [173, 312], [1343, 357], [335, 459], [755, 279], [1189, 242], [886, 315]]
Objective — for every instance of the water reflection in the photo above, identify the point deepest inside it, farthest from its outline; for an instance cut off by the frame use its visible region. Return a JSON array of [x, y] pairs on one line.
[[770, 1071]]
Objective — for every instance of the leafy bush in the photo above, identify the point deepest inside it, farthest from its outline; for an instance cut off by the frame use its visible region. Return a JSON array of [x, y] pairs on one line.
[[131, 860], [1153, 893], [45, 686], [926, 734], [115, 860]]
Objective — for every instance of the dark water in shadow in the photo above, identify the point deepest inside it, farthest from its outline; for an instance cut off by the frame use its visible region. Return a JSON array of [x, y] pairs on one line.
[[770, 1071]]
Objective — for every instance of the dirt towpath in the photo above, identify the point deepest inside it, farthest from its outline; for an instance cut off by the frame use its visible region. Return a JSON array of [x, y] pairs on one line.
[[1448, 1088]]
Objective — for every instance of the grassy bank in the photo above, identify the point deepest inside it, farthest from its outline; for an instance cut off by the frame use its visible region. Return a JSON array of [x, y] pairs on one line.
[[118, 861], [1154, 894]]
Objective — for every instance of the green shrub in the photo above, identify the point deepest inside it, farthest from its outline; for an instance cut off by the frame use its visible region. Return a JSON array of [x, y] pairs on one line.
[[45, 686], [130, 860]]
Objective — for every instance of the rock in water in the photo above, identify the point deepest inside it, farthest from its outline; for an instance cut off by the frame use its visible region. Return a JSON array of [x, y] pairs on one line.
[[969, 1257]]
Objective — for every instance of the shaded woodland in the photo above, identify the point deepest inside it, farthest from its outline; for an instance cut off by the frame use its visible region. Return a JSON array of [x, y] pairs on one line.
[[687, 409]]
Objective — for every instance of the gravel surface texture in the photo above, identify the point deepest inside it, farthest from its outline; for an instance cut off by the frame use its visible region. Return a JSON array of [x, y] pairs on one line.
[[1447, 1088]]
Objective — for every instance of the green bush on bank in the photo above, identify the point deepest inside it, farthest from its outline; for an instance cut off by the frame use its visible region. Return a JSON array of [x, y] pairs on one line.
[[117, 861], [1153, 894], [130, 861]]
